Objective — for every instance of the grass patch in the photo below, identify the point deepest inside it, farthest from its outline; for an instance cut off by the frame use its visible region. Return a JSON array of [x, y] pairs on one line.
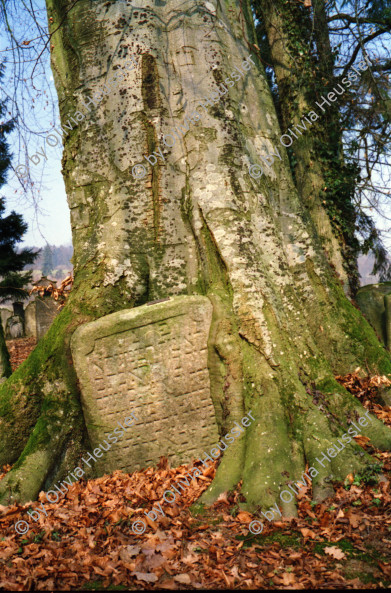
[[347, 547], [198, 508], [365, 577], [97, 586], [285, 540]]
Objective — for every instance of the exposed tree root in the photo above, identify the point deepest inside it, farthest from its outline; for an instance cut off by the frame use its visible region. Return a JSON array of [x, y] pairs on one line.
[[42, 420]]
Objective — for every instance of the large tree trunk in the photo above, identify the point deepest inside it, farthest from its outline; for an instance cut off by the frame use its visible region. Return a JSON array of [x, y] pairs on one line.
[[196, 224]]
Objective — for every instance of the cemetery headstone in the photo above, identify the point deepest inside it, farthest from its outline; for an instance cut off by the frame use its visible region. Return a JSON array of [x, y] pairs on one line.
[[5, 314], [46, 310], [18, 309], [372, 302], [30, 321], [150, 360], [14, 328]]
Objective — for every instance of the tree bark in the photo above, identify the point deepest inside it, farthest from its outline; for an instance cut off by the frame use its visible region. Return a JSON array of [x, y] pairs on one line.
[[196, 224], [5, 366], [304, 72]]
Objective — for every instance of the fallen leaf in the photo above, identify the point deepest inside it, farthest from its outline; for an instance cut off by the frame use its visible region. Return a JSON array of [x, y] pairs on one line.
[[354, 520], [244, 517], [335, 552], [308, 533], [288, 579], [191, 558], [145, 576], [151, 523], [154, 561], [127, 553], [182, 578], [223, 497]]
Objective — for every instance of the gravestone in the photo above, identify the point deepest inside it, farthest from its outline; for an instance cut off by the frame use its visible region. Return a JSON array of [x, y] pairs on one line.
[[14, 322], [5, 315], [18, 309], [150, 360], [46, 310], [30, 321], [39, 315], [14, 328], [374, 303]]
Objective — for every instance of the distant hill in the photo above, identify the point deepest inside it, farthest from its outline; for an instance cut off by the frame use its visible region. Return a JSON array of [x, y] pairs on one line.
[[53, 261], [365, 267]]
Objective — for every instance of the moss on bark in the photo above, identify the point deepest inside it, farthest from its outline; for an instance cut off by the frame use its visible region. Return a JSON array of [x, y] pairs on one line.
[[42, 421]]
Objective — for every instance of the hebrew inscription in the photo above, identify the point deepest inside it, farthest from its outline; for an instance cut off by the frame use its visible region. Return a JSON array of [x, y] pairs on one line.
[[151, 360]]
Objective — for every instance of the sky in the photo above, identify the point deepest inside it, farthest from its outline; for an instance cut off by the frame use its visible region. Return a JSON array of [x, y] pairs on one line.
[[34, 100], [50, 222]]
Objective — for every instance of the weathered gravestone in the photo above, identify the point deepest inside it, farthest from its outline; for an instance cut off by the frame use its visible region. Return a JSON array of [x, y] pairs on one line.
[[5, 315], [18, 309], [45, 313], [151, 360], [30, 321], [39, 315], [14, 328], [374, 302]]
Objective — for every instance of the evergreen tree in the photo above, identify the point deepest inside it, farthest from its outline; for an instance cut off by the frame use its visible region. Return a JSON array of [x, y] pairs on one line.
[[9, 235], [12, 262], [47, 265], [12, 228]]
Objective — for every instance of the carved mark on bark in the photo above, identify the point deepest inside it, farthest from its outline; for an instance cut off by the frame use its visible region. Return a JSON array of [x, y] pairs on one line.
[[152, 101], [150, 83]]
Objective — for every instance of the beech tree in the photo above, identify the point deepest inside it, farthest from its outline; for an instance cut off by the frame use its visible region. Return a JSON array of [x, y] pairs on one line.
[[196, 223], [340, 168]]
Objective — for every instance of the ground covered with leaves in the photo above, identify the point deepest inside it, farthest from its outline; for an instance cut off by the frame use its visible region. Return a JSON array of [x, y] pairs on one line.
[[86, 541], [20, 349]]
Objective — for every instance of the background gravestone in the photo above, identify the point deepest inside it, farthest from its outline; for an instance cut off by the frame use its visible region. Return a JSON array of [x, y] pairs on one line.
[[5, 315], [30, 321], [373, 301], [14, 328], [151, 360], [46, 310], [18, 309]]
